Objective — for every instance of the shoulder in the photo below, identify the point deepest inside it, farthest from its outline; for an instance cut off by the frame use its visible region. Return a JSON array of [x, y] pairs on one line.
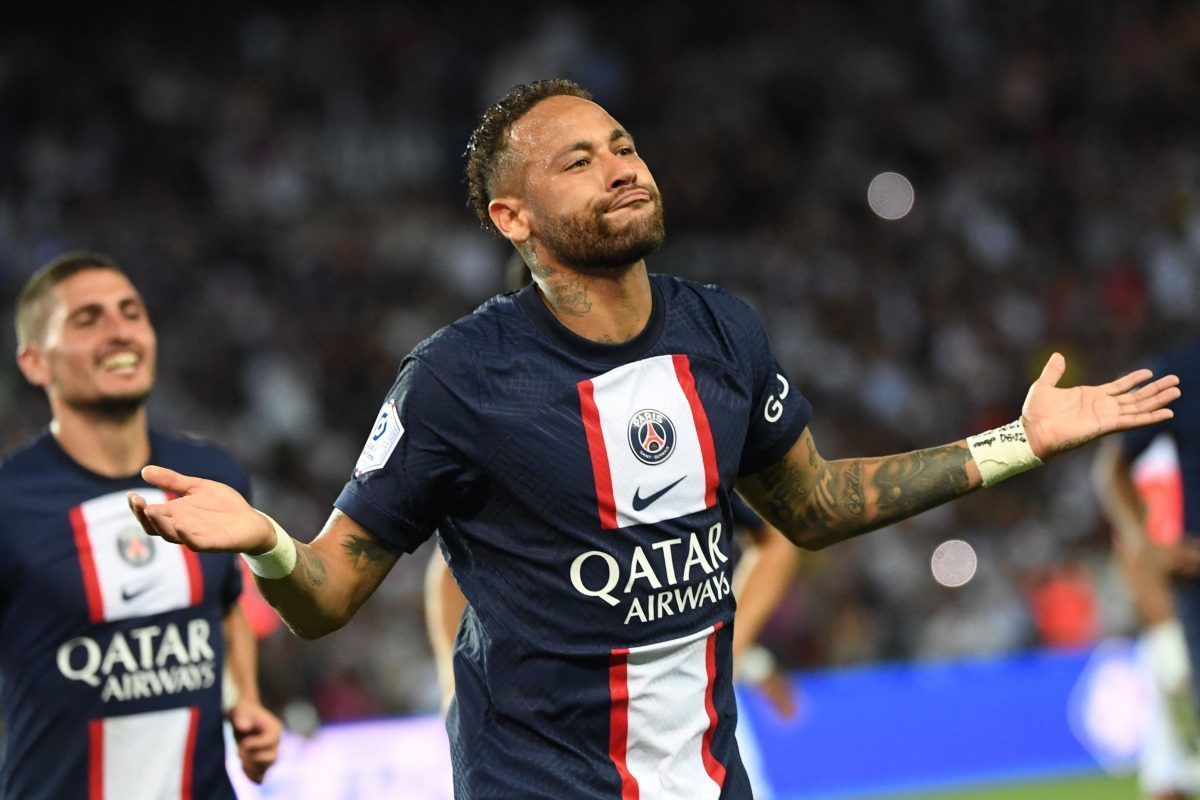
[[26, 458], [195, 456], [453, 350], [719, 301]]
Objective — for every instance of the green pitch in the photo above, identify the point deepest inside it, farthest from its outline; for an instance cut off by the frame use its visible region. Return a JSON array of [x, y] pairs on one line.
[[1090, 787]]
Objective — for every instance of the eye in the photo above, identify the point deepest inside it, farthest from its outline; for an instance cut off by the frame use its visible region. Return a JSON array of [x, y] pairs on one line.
[[579, 163], [626, 150]]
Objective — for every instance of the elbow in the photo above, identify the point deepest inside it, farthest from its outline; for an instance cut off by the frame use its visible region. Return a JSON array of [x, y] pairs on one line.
[[314, 626], [810, 539]]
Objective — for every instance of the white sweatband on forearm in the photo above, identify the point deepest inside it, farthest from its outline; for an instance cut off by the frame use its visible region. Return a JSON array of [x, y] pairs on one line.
[[279, 561], [753, 665], [1002, 452]]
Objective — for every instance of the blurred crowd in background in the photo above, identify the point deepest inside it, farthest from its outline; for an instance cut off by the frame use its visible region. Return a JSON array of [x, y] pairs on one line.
[[285, 188]]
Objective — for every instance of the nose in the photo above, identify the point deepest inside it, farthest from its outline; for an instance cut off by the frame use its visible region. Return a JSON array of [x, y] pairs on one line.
[[117, 327], [620, 172]]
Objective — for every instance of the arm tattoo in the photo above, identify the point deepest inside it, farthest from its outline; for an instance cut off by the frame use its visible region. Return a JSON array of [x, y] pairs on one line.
[[853, 496], [314, 568], [366, 552], [912, 482]]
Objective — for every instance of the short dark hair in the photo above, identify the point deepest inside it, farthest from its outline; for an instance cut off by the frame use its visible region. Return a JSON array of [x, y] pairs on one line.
[[488, 142], [32, 308]]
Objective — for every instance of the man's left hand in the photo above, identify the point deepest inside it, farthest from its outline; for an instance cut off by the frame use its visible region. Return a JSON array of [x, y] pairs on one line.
[[257, 732], [1059, 419]]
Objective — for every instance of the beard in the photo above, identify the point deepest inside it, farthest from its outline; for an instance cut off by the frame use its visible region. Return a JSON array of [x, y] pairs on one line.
[[113, 407], [590, 241]]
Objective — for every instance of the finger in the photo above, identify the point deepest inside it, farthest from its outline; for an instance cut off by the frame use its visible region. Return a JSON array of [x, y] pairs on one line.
[[137, 504], [170, 481], [1139, 404], [161, 524], [1053, 371], [1139, 420], [256, 741], [1126, 382], [1150, 389]]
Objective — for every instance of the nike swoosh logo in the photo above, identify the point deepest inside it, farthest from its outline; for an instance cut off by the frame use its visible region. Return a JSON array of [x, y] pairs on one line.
[[641, 503], [130, 592]]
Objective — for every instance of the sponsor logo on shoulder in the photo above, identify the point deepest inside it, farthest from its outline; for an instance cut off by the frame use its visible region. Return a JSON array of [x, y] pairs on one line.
[[385, 435], [651, 436]]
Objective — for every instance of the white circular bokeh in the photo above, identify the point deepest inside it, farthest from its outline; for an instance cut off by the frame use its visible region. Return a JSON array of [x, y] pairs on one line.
[[953, 563], [890, 195]]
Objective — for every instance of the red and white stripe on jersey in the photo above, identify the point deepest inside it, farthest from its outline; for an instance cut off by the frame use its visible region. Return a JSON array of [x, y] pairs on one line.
[[1159, 483], [118, 766], [608, 403], [118, 587], [662, 719]]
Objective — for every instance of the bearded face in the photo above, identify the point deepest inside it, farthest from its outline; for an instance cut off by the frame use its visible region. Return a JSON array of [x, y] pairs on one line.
[[606, 238]]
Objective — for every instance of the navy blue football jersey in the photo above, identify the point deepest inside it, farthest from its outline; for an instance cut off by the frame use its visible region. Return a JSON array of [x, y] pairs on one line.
[[1183, 428], [112, 642], [583, 496]]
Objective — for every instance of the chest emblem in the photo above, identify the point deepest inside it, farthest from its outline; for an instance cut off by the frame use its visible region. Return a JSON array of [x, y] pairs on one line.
[[651, 436], [134, 547]]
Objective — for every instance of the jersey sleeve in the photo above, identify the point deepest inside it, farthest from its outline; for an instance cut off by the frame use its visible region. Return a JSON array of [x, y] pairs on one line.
[[406, 478], [780, 413], [231, 586]]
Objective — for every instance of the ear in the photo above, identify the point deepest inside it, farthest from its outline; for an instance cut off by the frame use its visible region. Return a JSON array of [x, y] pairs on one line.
[[511, 218], [33, 365]]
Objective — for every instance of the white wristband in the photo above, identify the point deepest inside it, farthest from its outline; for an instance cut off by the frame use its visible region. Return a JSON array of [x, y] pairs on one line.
[[279, 561], [1002, 452], [753, 665]]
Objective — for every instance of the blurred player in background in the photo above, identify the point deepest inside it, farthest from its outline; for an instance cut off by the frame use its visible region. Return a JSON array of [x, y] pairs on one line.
[[578, 445], [114, 644], [1155, 514]]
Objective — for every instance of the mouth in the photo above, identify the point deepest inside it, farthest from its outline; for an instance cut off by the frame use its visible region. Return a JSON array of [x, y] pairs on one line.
[[124, 361], [629, 198]]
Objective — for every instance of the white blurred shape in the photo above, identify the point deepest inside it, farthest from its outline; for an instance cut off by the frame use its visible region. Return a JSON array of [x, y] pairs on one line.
[[890, 195], [953, 563]]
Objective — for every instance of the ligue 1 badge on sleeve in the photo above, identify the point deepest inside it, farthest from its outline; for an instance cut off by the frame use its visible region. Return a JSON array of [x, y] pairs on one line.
[[651, 436], [385, 434]]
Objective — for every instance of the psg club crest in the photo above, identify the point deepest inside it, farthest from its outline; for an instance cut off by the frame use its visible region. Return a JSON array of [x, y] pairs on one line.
[[651, 436], [135, 547]]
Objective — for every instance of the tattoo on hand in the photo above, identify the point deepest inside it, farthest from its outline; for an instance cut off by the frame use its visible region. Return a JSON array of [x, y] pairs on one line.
[[366, 552]]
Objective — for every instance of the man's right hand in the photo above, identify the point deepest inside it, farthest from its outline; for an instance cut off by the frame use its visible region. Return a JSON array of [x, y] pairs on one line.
[[206, 516]]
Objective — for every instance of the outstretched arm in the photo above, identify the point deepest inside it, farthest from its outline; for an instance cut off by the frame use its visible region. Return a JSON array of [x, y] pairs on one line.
[[331, 578], [817, 502]]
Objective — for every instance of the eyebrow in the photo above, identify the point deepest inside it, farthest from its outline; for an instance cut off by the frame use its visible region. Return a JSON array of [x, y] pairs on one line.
[[586, 146], [96, 307]]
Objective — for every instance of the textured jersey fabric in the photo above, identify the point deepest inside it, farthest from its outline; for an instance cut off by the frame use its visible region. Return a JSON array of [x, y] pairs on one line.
[[111, 645], [583, 496]]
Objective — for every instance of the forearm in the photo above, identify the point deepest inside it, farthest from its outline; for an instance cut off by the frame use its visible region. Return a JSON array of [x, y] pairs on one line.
[[241, 655], [857, 495], [333, 576], [759, 584]]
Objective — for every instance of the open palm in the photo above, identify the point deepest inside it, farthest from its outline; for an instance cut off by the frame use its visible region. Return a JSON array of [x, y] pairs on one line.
[[1058, 419], [207, 516]]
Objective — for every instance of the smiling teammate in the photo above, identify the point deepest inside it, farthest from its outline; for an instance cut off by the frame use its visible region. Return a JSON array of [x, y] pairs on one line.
[[114, 643], [594, 661]]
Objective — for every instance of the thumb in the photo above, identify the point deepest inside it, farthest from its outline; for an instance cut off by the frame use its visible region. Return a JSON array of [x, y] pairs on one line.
[[169, 480], [1053, 371]]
